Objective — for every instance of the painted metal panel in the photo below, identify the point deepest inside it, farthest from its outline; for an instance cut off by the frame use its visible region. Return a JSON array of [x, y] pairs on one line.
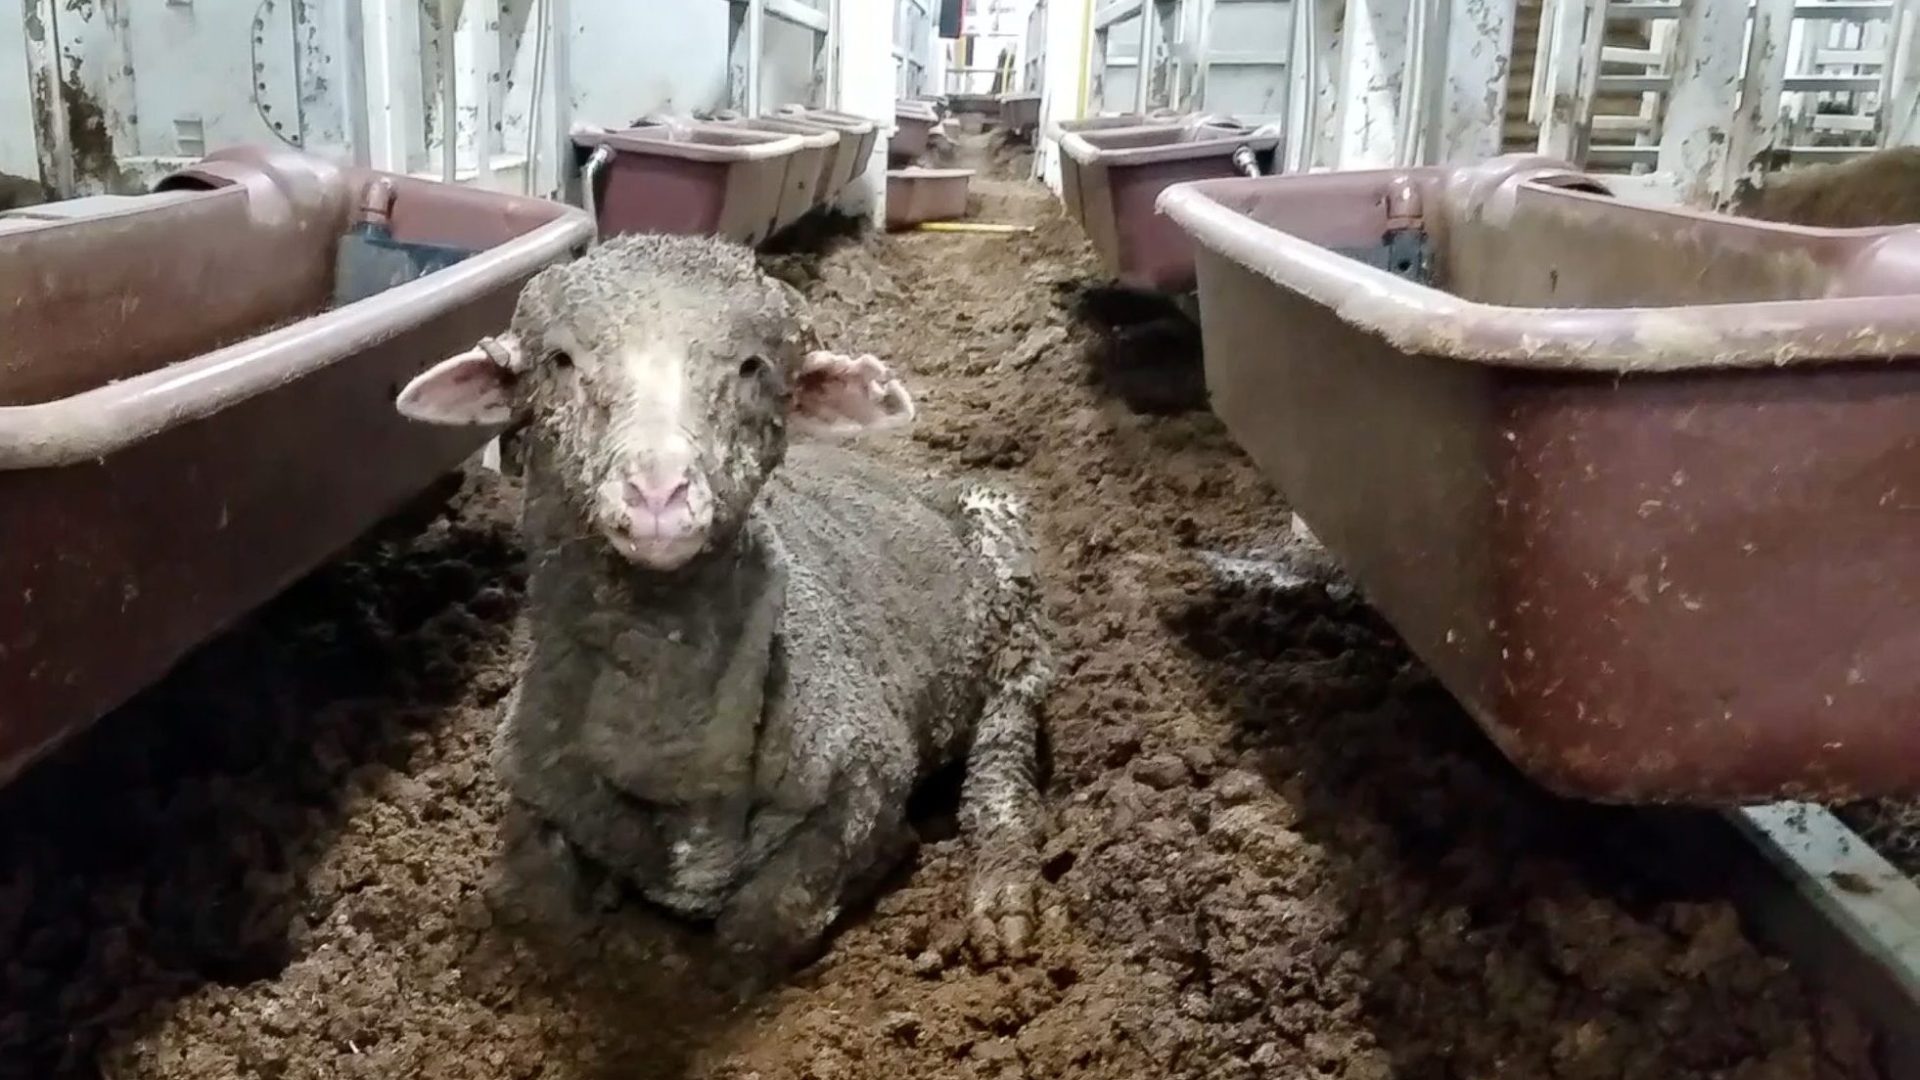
[[209, 74], [1116, 80], [17, 154], [1247, 54], [789, 68], [639, 56]]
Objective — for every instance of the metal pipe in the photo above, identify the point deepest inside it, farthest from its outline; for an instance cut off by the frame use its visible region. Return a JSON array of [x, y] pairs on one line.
[[543, 12], [1305, 131], [560, 73], [449, 102], [1246, 161], [1412, 88], [601, 157]]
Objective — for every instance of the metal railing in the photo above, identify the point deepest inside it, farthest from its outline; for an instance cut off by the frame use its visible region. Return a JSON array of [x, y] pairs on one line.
[[1725, 91]]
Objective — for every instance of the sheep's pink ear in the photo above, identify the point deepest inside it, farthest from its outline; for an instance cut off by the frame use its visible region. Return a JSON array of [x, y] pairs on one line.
[[835, 394], [473, 388]]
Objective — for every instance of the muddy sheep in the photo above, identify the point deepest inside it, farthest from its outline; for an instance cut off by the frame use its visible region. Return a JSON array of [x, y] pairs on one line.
[[748, 647]]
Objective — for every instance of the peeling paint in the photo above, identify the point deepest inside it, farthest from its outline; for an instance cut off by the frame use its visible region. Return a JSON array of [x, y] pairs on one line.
[[91, 138]]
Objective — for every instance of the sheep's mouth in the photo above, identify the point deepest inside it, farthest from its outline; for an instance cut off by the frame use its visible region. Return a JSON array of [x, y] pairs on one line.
[[656, 550]]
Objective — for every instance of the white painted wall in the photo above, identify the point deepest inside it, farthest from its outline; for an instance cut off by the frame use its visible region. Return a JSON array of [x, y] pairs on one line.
[[1064, 93], [916, 48], [633, 57], [867, 78], [174, 80], [1240, 33], [17, 154]]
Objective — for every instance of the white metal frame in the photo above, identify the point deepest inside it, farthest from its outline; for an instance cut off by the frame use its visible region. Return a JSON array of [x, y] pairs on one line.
[[1034, 53], [1728, 90], [914, 46], [1177, 51], [746, 37]]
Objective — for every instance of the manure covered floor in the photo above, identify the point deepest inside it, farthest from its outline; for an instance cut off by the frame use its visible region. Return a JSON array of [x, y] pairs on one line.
[[1282, 852]]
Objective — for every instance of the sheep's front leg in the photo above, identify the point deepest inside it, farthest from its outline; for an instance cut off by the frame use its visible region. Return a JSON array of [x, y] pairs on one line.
[[1002, 816], [542, 881], [1000, 808], [778, 917]]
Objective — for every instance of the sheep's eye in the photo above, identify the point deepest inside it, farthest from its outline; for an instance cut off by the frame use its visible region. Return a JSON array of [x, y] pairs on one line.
[[753, 367], [560, 359]]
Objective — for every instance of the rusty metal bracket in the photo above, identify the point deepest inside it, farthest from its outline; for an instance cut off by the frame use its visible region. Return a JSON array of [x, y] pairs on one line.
[[1405, 252]]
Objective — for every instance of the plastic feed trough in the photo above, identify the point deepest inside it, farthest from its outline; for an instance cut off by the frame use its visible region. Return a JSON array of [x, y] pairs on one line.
[[975, 104], [857, 137], [920, 195], [1070, 172], [810, 174], [1639, 484], [913, 124], [702, 179], [1118, 173], [1020, 112], [195, 409]]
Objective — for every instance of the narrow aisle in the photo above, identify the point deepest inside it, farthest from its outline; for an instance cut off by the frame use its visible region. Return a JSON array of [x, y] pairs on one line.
[[1280, 849]]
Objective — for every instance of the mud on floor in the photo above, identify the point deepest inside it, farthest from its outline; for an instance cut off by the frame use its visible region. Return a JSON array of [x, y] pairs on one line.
[[1283, 851]]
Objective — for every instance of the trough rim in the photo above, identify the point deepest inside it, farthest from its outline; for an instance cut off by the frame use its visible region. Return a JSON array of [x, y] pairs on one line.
[[1419, 319], [663, 141], [844, 121], [1076, 146], [107, 419]]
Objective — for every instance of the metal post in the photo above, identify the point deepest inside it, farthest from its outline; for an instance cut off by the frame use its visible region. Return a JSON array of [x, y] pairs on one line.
[[449, 101], [1593, 43], [1368, 58], [1466, 120], [1756, 127], [359, 123], [1412, 105], [756, 47], [483, 26], [1165, 15], [1893, 73], [1095, 84], [1303, 92], [1707, 76], [1142, 73], [1904, 101], [51, 123], [1203, 48], [560, 74]]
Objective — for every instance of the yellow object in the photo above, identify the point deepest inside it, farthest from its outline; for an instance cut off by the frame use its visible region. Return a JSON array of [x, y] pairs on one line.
[[970, 226]]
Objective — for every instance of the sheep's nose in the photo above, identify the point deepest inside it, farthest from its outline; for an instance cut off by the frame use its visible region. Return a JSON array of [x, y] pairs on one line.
[[657, 497]]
